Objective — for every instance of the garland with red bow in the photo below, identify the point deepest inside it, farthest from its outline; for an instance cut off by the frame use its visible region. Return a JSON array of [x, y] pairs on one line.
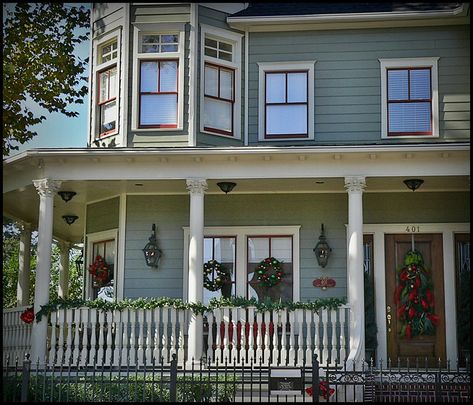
[[414, 297]]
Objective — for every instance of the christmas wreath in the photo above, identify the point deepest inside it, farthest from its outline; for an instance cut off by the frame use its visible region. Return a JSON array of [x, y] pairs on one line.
[[414, 298], [267, 278], [99, 270], [27, 315], [221, 275]]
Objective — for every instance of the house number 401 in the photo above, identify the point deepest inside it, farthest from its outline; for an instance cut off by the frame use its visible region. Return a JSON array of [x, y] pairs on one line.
[[412, 228]]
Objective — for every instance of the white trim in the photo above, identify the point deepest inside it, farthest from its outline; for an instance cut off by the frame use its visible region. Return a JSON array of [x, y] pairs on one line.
[[447, 230], [125, 75], [88, 260], [235, 39], [431, 62], [282, 66], [177, 29], [194, 30], [120, 253], [240, 233], [97, 44], [247, 63]]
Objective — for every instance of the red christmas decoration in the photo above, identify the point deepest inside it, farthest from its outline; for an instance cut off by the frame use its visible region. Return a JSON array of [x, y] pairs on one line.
[[324, 390], [324, 283], [27, 315], [99, 270]]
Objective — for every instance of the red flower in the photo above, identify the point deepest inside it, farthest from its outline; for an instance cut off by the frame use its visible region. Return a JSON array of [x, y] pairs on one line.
[[412, 313], [433, 318], [408, 331], [27, 315]]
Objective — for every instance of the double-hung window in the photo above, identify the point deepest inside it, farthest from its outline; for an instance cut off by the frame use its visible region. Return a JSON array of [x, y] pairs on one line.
[[409, 97], [286, 92], [107, 81], [220, 82]]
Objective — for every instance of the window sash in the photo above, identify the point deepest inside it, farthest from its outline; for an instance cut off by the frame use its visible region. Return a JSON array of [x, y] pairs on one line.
[[159, 43], [106, 249], [218, 49], [409, 101], [108, 51], [107, 85]]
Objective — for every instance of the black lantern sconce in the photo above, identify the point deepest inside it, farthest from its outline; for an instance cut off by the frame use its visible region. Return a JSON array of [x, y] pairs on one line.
[[413, 184], [226, 186], [151, 251], [79, 262], [70, 219], [322, 249], [67, 195]]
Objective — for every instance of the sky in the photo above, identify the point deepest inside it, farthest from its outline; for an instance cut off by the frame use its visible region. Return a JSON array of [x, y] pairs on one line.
[[58, 130]]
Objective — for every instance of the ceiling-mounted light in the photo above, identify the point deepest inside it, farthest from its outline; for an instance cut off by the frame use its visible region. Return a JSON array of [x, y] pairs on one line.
[[413, 184], [70, 219], [226, 186], [67, 195]]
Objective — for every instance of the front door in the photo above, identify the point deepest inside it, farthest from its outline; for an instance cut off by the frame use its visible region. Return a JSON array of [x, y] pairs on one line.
[[415, 334]]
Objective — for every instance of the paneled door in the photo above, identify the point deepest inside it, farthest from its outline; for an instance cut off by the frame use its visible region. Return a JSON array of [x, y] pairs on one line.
[[422, 346]]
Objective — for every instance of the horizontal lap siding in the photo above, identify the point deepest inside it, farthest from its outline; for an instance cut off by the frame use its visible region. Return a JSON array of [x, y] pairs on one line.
[[102, 215], [347, 77]]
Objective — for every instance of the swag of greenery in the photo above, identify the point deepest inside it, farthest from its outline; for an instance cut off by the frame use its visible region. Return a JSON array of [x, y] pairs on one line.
[[414, 297], [197, 307]]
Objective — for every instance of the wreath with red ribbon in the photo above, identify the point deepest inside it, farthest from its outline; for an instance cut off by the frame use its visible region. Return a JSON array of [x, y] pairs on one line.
[[267, 278], [414, 297], [99, 269]]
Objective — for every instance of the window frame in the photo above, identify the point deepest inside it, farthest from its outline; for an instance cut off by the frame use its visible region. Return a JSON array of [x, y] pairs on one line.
[[141, 93], [102, 104], [138, 57], [285, 67], [98, 69], [409, 64], [235, 40]]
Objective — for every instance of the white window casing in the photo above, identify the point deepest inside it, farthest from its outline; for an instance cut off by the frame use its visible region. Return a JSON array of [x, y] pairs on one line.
[[427, 62], [157, 30], [275, 67], [234, 39]]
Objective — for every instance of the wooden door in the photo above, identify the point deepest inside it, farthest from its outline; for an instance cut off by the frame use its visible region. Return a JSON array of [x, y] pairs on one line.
[[421, 346]]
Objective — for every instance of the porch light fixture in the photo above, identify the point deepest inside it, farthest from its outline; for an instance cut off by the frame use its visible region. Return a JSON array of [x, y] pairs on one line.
[[67, 195], [151, 251], [322, 249], [70, 219], [226, 186], [413, 184]]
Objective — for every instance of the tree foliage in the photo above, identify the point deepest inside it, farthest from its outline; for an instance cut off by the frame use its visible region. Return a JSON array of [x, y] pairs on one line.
[[39, 65]]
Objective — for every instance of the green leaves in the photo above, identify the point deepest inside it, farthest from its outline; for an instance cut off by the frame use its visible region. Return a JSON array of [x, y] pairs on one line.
[[39, 65]]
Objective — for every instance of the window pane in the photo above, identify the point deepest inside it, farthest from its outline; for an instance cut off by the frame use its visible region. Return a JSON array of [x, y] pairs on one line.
[[211, 52], [108, 116], [397, 84], [296, 87], [113, 83], [420, 84], [210, 42], [226, 84], [286, 119], [158, 109], [150, 48], [168, 76], [281, 248], [223, 46], [225, 56], [168, 39], [275, 87], [211, 81], [218, 114], [258, 249], [149, 76], [150, 39], [409, 117], [103, 85], [168, 48]]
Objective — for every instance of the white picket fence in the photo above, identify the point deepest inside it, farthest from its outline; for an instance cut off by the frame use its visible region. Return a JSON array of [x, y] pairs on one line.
[[16, 335], [237, 336]]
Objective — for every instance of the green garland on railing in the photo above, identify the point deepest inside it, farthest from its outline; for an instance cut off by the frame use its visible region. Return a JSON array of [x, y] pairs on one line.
[[196, 307]]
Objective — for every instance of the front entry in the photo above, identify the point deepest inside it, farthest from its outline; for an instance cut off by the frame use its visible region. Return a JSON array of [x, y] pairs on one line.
[[418, 345]]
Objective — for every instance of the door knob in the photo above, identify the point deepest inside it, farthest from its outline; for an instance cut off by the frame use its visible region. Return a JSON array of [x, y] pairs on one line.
[[388, 317]]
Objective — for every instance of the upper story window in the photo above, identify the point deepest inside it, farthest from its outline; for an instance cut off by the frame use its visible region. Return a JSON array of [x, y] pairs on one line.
[[286, 100], [105, 118], [158, 82], [221, 82], [409, 97]]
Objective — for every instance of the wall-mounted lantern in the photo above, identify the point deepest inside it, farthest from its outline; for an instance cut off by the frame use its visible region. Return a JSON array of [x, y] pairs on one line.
[[79, 262], [151, 251], [322, 249]]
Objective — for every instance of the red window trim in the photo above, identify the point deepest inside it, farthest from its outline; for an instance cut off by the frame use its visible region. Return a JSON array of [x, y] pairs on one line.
[[101, 104], [158, 93], [231, 101], [409, 100], [283, 136]]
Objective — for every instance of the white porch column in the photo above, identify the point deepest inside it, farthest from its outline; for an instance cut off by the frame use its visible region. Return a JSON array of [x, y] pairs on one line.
[[63, 287], [196, 189], [356, 299], [23, 286], [46, 189]]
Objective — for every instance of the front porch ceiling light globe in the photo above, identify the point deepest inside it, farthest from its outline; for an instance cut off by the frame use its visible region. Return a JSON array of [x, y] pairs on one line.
[[322, 250], [413, 184], [70, 219], [226, 186], [151, 250]]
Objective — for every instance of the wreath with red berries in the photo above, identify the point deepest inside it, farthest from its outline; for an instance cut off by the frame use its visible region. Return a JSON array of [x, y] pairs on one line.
[[99, 270], [221, 275], [269, 272], [414, 297]]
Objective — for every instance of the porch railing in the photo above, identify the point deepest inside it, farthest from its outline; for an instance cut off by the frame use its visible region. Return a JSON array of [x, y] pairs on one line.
[[85, 336], [16, 333]]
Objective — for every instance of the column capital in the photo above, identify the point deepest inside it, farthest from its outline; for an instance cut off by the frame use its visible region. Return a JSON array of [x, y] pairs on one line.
[[355, 184], [196, 186], [47, 187]]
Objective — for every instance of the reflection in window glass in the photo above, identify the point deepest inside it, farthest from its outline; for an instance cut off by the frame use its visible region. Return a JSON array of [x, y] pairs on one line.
[[104, 288]]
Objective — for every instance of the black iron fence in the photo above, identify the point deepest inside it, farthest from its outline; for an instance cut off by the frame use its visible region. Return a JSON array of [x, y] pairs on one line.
[[225, 382]]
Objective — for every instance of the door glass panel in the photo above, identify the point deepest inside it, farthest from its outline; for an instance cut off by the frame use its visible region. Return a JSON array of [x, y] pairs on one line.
[[104, 287]]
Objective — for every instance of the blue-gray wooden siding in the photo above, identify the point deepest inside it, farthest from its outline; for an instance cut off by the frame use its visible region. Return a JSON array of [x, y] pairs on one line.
[[102, 215]]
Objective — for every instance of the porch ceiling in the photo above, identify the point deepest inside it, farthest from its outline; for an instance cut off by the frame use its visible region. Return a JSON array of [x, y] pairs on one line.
[[23, 204]]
